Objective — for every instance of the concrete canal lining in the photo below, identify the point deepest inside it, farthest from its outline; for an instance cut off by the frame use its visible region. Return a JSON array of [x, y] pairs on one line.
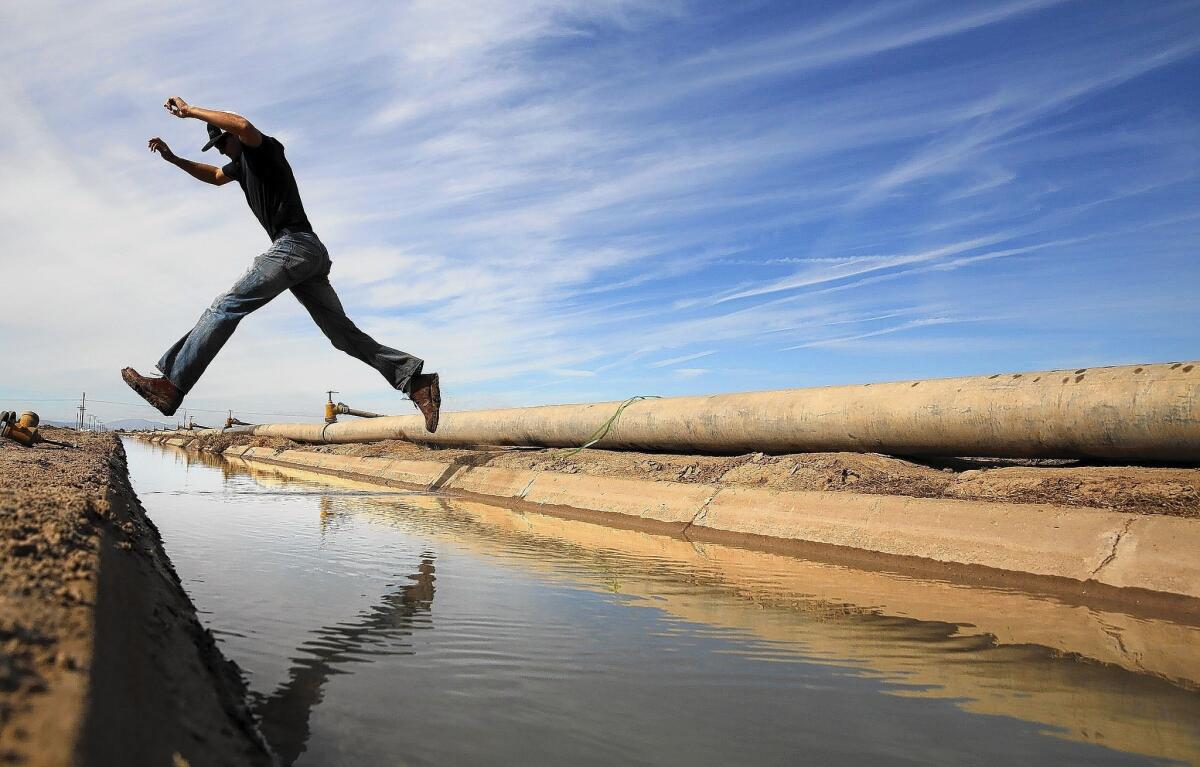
[[843, 601], [1132, 555]]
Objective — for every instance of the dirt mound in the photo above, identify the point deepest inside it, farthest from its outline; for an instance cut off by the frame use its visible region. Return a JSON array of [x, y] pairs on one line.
[[1140, 489], [216, 443]]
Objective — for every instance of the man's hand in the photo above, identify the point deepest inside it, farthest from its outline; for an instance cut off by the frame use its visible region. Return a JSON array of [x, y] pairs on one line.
[[160, 146], [177, 107], [209, 174], [226, 121]]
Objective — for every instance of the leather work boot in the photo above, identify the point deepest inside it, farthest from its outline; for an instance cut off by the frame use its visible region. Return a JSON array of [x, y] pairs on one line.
[[426, 394], [159, 392]]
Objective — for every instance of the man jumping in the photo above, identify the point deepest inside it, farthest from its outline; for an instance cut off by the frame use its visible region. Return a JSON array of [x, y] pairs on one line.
[[296, 261]]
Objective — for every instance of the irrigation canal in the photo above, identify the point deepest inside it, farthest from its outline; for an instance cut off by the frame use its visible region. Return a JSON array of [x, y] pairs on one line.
[[376, 626]]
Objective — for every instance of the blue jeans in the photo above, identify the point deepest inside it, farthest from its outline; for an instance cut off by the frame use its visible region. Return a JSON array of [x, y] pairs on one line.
[[298, 262]]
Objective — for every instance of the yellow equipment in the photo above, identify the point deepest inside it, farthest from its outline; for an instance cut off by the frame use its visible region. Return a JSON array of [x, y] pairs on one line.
[[231, 421], [334, 409], [21, 429]]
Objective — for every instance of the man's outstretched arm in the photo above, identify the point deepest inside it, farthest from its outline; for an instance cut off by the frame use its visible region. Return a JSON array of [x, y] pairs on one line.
[[226, 121], [206, 173]]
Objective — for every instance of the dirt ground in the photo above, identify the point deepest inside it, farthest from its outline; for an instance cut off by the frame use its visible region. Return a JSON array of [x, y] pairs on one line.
[[50, 505], [102, 659], [1140, 489]]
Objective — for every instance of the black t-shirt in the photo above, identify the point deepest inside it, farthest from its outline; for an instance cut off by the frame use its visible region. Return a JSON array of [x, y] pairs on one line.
[[266, 179]]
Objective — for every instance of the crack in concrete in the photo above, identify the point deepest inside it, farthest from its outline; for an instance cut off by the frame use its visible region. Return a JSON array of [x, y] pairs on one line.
[[1112, 554]]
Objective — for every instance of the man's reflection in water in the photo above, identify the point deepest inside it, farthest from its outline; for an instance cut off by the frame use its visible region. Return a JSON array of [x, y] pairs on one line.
[[284, 715]]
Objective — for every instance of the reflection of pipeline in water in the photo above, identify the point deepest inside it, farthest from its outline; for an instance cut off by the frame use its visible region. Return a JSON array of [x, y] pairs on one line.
[[329, 516], [284, 714], [1161, 643], [211, 460]]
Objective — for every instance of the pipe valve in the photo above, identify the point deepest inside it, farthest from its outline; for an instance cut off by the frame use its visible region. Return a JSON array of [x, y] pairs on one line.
[[334, 409]]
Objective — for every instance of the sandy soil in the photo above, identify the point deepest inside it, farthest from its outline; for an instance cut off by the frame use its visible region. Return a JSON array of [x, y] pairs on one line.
[[1139, 489], [102, 659]]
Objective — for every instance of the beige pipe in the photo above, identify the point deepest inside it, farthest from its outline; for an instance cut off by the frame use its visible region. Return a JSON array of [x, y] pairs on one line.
[[1147, 412]]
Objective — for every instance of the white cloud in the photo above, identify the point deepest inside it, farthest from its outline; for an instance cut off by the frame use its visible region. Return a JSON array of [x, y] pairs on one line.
[[684, 358], [562, 198], [690, 372]]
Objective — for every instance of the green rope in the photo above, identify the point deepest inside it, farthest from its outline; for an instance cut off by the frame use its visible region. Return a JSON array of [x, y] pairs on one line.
[[600, 433]]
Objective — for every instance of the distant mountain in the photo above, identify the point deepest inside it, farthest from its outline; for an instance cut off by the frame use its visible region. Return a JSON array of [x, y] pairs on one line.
[[127, 423]]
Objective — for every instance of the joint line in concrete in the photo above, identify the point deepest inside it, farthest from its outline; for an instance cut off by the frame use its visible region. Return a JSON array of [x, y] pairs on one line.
[[525, 489], [700, 514], [447, 475]]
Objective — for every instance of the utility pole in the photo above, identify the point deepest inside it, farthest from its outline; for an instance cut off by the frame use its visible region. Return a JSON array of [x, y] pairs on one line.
[[79, 422]]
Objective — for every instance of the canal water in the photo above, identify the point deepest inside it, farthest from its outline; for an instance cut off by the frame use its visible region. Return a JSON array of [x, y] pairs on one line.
[[377, 626]]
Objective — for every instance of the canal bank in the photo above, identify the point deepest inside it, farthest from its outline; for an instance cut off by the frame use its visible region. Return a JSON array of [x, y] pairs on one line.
[[1123, 533], [102, 658]]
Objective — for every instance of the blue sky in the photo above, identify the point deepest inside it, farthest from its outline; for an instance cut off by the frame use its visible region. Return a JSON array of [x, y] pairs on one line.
[[564, 201]]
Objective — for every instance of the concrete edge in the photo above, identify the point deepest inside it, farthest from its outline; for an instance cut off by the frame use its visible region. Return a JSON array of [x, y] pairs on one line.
[[1087, 546]]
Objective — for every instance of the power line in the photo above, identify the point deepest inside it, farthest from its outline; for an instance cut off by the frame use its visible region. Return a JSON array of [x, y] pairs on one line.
[[210, 410], [142, 405]]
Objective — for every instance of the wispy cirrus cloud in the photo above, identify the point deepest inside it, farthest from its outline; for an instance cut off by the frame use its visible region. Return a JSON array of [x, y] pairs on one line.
[[563, 199], [683, 358]]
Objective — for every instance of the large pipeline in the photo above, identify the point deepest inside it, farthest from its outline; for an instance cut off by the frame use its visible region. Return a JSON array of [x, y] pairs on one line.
[[1143, 412]]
